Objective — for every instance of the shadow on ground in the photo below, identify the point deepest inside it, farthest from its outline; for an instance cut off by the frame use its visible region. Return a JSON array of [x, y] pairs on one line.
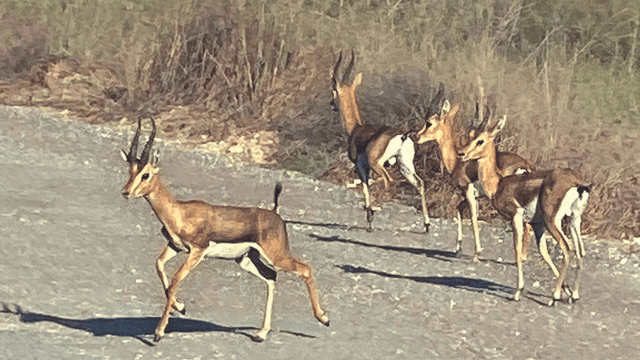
[[457, 282], [327, 225], [442, 255], [136, 327]]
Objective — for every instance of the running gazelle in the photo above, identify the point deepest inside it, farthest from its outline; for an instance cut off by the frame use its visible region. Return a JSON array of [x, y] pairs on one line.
[[370, 147], [255, 238], [540, 199]]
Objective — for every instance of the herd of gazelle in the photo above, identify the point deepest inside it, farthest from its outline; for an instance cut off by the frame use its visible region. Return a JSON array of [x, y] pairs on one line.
[[257, 238]]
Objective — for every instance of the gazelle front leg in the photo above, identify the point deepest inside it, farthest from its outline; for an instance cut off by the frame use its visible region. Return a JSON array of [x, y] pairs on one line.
[[192, 261], [461, 205], [472, 195], [518, 225], [167, 254]]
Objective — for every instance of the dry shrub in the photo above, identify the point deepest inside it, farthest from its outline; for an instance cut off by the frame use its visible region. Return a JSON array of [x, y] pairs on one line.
[[89, 90], [235, 85], [22, 43]]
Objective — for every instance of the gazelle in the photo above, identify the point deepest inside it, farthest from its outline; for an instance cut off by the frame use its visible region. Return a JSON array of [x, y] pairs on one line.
[[541, 199], [370, 147], [255, 238], [464, 175]]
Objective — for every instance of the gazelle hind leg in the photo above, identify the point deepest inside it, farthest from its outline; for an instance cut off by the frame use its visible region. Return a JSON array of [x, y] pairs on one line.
[[575, 294], [167, 254], [363, 169], [576, 233], [538, 230], [305, 271], [555, 230], [383, 173], [580, 253], [408, 170], [524, 252], [253, 263]]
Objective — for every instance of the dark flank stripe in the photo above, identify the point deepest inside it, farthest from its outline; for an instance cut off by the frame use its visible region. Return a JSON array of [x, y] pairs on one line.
[[265, 270]]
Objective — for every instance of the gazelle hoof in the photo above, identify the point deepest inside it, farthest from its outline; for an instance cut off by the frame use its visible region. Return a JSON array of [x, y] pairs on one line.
[[554, 302], [426, 227], [459, 253], [516, 296], [324, 320], [257, 338], [182, 311], [157, 337], [260, 336]]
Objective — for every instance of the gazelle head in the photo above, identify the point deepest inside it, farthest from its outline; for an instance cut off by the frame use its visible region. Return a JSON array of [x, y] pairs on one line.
[[483, 144], [437, 125], [141, 171], [439, 118], [344, 94]]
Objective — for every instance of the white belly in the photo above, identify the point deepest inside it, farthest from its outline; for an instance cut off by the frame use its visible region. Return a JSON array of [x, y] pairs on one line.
[[228, 250]]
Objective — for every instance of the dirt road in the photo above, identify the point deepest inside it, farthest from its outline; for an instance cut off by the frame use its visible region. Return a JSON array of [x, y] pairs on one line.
[[77, 277]]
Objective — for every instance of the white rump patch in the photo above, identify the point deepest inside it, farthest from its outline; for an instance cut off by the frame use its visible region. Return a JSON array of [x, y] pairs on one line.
[[521, 171], [392, 150], [572, 204]]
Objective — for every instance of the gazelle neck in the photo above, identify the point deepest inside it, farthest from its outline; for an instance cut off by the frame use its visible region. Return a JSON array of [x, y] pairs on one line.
[[488, 171], [349, 113], [162, 202], [448, 149]]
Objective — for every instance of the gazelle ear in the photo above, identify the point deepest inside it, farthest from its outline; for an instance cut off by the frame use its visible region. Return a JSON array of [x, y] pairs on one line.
[[446, 107], [124, 155], [156, 157], [451, 114], [357, 80], [499, 126]]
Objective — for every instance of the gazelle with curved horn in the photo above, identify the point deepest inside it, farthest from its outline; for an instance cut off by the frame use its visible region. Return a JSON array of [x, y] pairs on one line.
[[439, 126], [541, 199], [255, 238], [370, 147]]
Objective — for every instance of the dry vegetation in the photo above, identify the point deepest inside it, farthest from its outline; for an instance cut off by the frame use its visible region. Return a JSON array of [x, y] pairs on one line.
[[252, 79]]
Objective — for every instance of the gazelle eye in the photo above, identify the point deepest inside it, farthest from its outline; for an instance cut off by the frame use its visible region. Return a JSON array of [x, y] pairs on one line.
[[480, 142], [145, 176]]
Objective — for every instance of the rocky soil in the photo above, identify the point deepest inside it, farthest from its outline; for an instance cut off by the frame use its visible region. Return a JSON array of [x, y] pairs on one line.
[[77, 276]]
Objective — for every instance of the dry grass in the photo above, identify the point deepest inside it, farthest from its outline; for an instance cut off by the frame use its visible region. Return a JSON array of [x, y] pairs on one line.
[[253, 80]]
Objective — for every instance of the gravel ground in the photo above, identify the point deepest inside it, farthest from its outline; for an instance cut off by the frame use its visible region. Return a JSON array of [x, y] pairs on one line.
[[78, 277]]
